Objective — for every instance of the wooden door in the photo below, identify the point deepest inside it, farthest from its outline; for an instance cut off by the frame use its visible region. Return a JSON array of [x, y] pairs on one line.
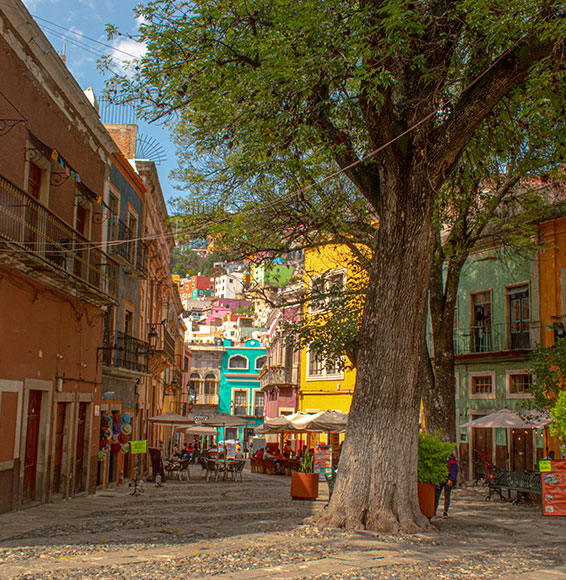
[[80, 447], [32, 445], [59, 440], [482, 441], [522, 449]]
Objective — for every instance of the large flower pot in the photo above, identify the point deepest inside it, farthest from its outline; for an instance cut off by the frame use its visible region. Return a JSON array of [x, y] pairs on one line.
[[304, 485], [426, 499]]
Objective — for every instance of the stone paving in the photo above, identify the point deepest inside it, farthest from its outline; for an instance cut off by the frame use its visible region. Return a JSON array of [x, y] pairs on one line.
[[252, 530]]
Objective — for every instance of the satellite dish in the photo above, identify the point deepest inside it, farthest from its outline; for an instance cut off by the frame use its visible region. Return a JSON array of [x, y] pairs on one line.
[[149, 148]]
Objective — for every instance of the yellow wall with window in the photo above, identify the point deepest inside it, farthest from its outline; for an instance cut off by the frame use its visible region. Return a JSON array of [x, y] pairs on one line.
[[323, 388]]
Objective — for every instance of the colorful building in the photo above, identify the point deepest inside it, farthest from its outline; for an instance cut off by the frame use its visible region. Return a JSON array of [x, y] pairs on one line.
[[240, 390], [496, 327], [325, 384]]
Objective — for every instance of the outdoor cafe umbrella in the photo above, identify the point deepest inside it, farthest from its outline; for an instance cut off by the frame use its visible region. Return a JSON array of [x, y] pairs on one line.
[[200, 430], [220, 420], [329, 421], [171, 419], [510, 419]]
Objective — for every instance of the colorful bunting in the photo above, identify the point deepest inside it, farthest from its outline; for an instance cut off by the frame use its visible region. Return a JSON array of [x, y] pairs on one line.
[[68, 171]]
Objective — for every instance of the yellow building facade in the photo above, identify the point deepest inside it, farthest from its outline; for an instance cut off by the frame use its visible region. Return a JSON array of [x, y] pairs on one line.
[[322, 386]]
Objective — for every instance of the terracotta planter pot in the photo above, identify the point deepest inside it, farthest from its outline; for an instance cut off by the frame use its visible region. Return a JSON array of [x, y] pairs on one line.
[[426, 499], [304, 485]]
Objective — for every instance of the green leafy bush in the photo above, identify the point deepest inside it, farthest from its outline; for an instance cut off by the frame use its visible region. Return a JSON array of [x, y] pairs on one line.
[[433, 456]]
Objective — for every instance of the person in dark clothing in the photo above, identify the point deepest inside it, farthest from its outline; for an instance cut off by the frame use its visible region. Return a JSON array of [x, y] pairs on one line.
[[447, 486]]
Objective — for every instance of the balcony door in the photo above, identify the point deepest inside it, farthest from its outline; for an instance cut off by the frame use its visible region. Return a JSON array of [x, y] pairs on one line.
[[480, 331], [519, 314]]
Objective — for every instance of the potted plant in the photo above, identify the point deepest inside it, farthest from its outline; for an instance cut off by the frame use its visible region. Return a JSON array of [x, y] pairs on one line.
[[432, 469], [304, 483]]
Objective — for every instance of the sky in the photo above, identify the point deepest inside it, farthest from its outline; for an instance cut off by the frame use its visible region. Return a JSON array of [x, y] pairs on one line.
[[68, 23]]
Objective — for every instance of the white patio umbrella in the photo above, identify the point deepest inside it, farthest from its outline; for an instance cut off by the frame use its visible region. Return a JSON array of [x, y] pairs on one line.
[[511, 419], [200, 430], [171, 420]]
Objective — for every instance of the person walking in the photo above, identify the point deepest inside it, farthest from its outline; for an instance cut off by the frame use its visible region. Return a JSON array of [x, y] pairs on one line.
[[447, 486]]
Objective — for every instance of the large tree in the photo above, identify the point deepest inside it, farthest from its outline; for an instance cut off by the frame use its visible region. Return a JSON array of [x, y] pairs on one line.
[[391, 91]]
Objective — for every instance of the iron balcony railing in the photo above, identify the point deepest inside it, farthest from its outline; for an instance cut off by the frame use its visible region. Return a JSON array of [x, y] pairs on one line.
[[258, 412], [138, 266], [39, 233], [279, 376], [125, 352], [494, 338], [164, 341], [206, 399], [240, 410], [120, 242]]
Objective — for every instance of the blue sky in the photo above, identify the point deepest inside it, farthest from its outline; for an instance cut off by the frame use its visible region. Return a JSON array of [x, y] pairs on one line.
[[67, 23]]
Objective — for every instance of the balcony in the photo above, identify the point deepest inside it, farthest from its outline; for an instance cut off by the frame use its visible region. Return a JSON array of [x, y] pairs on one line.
[[121, 351], [279, 376], [120, 242], [241, 410], [138, 267], [258, 412], [495, 338], [207, 399], [36, 242]]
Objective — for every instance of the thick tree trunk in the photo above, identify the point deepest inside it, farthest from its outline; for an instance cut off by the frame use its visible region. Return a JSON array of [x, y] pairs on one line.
[[376, 486], [440, 402]]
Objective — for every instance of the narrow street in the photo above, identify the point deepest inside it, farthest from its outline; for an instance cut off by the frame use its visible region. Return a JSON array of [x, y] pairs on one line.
[[252, 529]]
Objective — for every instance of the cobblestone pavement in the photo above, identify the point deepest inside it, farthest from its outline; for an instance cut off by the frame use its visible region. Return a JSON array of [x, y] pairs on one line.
[[253, 530]]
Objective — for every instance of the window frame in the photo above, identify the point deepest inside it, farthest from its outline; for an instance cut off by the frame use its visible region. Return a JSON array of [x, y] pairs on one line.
[[516, 372], [234, 356], [479, 374], [324, 280], [325, 375]]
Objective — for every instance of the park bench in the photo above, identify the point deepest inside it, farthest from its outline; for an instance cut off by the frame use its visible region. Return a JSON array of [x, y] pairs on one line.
[[520, 481]]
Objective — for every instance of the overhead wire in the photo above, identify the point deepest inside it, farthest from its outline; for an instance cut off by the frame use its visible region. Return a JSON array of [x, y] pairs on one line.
[[285, 197]]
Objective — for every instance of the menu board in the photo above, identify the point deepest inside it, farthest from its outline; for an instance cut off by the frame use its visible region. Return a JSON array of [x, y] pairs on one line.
[[322, 460], [553, 487]]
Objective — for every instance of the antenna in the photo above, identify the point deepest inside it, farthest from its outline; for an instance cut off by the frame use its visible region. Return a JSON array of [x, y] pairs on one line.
[[149, 148]]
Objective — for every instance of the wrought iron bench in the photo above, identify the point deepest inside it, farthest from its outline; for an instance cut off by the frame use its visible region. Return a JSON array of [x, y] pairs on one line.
[[521, 481]]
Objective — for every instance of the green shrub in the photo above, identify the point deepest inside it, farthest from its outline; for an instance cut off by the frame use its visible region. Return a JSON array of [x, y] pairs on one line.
[[306, 463], [433, 456]]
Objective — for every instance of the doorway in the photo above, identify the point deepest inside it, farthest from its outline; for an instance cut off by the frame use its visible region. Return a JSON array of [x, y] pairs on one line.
[[59, 443], [80, 447], [32, 445]]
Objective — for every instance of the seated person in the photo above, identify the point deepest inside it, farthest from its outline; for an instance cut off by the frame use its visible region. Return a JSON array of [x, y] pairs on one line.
[[287, 450], [276, 457], [259, 454]]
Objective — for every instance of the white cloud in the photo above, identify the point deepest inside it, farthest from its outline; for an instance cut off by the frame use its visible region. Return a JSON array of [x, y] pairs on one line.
[[127, 52]]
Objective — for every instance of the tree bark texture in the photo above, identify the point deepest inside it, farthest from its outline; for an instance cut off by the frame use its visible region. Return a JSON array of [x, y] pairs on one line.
[[377, 483]]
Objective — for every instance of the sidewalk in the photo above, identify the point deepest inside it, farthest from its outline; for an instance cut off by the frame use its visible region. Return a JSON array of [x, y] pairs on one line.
[[251, 530]]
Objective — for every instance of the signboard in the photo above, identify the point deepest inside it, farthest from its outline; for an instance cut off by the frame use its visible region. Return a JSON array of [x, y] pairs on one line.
[[322, 460], [200, 418], [553, 475], [138, 446]]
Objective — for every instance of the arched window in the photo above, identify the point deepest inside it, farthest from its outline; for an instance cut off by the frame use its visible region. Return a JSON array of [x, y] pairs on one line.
[[210, 384], [260, 362], [238, 362], [194, 383]]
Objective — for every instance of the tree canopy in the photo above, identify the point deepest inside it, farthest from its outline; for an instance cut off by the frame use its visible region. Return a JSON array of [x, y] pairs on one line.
[[263, 95]]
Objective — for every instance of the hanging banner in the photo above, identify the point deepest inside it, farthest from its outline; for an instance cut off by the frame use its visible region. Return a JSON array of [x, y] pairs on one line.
[[322, 461], [553, 475], [138, 446]]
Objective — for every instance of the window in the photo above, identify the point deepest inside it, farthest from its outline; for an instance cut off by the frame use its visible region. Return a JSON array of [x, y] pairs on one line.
[[259, 403], [128, 323], [482, 385], [319, 367], [238, 362], [260, 362], [326, 289], [113, 225], [240, 403], [210, 384], [518, 384]]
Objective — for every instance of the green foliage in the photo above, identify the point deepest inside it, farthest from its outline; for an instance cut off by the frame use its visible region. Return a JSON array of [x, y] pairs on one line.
[[433, 457], [307, 462], [558, 414], [548, 367]]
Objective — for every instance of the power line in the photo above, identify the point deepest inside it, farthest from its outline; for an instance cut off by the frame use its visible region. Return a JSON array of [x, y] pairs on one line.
[[85, 36]]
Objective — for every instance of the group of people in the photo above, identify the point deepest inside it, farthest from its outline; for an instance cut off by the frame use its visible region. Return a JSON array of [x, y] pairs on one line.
[[188, 451]]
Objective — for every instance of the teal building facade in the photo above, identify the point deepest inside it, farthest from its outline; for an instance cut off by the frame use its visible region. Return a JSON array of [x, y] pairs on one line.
[[240, 390]]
